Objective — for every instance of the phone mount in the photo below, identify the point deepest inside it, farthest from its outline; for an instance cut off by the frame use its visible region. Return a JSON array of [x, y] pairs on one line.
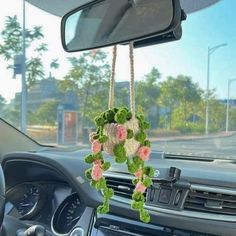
[[169, 192]]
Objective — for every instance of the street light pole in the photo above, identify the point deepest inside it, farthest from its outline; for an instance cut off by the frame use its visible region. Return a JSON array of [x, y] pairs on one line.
[[23, 81], [227, 109], [207, 95], [209, 53]]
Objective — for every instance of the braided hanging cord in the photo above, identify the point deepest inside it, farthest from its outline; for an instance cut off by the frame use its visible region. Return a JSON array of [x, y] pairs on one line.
[[132, 87], [112, 80]]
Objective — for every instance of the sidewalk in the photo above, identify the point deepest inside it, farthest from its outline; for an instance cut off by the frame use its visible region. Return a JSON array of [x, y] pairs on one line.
[[193, 137]]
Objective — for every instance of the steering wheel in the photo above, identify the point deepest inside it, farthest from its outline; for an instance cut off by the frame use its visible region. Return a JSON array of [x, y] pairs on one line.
[[2, 196]]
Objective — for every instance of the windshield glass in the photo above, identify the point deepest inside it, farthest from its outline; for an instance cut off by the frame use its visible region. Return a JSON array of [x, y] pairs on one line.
[[186, 89]]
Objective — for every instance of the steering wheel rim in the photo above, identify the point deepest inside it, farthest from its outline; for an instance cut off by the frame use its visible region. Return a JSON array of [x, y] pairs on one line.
[[2, 195]]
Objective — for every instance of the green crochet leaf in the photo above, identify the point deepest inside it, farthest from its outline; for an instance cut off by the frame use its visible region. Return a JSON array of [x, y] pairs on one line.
[[89, 159], [102, 139], [140, 137], [99, 121], [130, 133], [149, 171], [137, 205], [88, 174], [119, 150], [106, 166]]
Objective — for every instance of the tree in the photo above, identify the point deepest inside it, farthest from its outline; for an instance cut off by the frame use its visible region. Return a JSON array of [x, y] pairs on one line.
[[54, 65], [46, 114], [88, 76], [2, 102], [147, 94], [12, 46], [181, 98]]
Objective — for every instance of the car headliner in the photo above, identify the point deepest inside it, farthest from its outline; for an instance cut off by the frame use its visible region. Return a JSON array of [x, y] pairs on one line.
[[61, 7]]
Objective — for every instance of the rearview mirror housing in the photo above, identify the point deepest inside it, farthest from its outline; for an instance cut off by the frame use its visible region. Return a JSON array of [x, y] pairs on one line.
[[103, 23]]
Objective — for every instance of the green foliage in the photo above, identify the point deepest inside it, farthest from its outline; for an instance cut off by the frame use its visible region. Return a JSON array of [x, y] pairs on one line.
[[2, 102], [54, 64], [121, 117], [101, 184], [149, 171], [147, 94], [99, 121], [137, 161], [132, 168], [12, 45], [121, 159], [130, 134], [106, 166], [144, 216], [47, 113], [147, 143], [109, 115], [103, 209], [89, 159], [137, 205], [88, 174], [137, 196], [108, 193], [140, 137], [103, 139], [119, 150], [88, 77], [147, 181]]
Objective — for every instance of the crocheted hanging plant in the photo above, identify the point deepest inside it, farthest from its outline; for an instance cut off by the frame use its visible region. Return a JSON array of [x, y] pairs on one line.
[[121, 134]]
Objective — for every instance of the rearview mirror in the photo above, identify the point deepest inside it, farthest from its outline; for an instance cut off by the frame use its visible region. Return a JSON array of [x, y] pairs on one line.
[[108, 22]]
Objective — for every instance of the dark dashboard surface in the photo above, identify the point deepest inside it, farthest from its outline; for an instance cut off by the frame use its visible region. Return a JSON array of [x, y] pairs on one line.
[[59, 174]]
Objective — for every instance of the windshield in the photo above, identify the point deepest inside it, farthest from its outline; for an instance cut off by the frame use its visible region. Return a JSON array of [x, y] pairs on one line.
[[186, 89]]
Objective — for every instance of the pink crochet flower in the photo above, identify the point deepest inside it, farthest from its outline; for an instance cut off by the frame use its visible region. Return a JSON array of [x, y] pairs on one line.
[[96, 147], [121, 132], [138, 173], [144, 153], [140, 187], [97, 172]]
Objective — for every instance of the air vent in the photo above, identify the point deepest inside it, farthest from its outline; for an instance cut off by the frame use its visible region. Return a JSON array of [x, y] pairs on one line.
[[122, 187], [210, 202]]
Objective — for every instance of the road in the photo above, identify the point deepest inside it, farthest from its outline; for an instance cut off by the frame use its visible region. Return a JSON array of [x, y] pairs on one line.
[[223, 147]]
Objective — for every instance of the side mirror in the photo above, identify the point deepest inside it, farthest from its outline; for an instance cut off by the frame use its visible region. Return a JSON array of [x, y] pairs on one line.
[[107, 22]]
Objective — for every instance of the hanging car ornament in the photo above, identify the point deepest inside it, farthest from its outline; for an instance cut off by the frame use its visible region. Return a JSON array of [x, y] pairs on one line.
[[122, 134]]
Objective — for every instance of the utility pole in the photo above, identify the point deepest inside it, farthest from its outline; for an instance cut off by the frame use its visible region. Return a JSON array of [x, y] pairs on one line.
[[209, 52], [208, 85], [23, 79], [227, 109]]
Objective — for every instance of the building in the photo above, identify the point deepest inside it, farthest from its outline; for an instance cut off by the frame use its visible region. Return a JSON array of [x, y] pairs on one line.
[[47, 90]]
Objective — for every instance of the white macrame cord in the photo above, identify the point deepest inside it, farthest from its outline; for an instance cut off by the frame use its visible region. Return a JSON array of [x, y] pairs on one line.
[[112, 80]]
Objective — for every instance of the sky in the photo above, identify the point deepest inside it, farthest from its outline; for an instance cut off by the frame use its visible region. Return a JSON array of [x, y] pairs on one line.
[[206, 28]]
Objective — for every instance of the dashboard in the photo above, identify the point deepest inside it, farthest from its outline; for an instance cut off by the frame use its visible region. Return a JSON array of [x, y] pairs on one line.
[[53, 205], [50, 201], [49, 188]]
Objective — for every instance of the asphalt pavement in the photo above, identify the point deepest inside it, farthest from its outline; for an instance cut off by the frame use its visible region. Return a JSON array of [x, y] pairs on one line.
[[217, 147]]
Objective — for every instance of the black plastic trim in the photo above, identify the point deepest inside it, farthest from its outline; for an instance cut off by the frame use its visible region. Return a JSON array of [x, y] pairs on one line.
[[175, 21]]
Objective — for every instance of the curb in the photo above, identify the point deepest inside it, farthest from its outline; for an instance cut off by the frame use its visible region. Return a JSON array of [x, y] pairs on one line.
[[191, 138]]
